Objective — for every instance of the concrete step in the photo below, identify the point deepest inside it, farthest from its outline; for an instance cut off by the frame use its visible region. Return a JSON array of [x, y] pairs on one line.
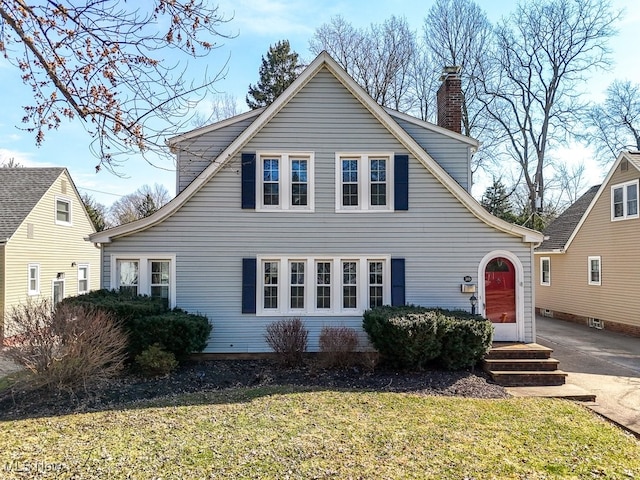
[[518, 350], [567, 392], [511, 378], [520, 364]]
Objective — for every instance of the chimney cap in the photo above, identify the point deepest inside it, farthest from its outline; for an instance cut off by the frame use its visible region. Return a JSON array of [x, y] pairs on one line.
[[453, 71]]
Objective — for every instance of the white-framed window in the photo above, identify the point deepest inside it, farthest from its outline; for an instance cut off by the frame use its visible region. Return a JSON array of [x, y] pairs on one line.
[[152, 275], [311, 285], [364, 182], [285, 181], [545, 271], [33, 276], [624, 201], [83, 278], [63, 211], [595, 271]]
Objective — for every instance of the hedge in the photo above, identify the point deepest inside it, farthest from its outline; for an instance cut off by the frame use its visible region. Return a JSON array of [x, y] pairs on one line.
[[414, 337]]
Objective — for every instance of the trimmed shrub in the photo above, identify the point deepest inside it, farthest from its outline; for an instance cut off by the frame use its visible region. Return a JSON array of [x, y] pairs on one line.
[[67, 347], [337, 347], [414, 337], [464, 341], [177, 331], [121, 305], [155, 361], [289, 340]]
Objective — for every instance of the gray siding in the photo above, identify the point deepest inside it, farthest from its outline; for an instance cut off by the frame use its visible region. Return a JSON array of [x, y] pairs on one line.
[[194, 155], [452, 155], [440, 240]]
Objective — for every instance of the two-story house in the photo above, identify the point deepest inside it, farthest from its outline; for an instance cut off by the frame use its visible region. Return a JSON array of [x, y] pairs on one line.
[[320, 206], [587, 268], [43, 252]]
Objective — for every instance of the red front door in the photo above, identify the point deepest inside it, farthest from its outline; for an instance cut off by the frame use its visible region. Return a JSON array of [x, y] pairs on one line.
[[500, 291]]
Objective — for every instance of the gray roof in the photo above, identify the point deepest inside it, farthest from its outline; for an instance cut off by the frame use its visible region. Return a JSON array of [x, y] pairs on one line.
[[20, 190], [562, 227]]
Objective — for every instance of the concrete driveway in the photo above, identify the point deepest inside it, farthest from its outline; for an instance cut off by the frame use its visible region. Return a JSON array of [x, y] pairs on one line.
[[603, 363]]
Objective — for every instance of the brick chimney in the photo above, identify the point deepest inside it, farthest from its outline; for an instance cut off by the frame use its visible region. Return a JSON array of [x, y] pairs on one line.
[[449, 100]]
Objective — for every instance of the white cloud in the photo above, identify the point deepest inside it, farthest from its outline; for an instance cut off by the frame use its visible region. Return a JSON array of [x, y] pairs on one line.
[[23, 158], [269, 17]]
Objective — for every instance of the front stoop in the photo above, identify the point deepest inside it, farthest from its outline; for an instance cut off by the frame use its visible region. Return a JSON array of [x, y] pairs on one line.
[[523, 365]]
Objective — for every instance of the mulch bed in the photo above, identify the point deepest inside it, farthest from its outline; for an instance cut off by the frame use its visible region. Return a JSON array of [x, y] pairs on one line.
[[214, 375]]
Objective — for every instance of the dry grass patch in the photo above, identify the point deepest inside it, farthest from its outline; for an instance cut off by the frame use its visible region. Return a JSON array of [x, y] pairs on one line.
[[280, 433]]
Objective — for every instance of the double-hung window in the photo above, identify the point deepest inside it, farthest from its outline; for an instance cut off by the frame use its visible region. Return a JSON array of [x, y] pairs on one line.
[[152, 275], [545, 271], [624, 201], [364, 182], [321, 285], [595, 271], [285, 181], [34, 279], [83, 278], [63, 211]]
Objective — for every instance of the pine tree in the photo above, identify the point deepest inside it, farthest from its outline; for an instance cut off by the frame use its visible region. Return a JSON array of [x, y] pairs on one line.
[[278, 70], [496, 201]]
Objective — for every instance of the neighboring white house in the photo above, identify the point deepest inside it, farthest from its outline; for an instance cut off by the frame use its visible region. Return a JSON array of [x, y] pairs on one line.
[[320, 206], [43, 224]]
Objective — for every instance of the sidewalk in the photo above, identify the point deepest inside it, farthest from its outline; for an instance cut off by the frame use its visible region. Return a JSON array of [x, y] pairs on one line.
[[603, 363]]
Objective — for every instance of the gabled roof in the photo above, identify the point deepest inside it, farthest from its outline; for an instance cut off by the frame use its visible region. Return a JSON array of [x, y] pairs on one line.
[[559, 231], [323, 60], [20, 190], [634, 160]]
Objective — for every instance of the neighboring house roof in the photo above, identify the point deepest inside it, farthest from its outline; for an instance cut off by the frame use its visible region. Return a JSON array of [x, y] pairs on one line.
[[323, 60], [558, 232], [562, 246], [20, 190]]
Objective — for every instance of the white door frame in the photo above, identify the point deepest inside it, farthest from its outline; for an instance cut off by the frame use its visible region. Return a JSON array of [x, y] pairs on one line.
[[504, 332]]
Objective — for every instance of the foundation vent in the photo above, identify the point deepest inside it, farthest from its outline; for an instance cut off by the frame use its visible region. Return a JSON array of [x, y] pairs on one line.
[[596, 323], [547, 313]]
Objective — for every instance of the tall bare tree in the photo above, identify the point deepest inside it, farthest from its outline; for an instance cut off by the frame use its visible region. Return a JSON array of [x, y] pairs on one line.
[[139, 204], [614, 125], [99, 60], [379, 58], [222, 106], [544, 52]]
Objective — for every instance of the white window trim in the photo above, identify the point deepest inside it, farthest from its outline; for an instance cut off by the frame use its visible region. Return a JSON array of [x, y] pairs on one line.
[[284, 284], [285, 181], [67, 200], [87, 266], [37, 268], [624, 186], [144, 272], [364, 182], [542, 282], [599, 259]]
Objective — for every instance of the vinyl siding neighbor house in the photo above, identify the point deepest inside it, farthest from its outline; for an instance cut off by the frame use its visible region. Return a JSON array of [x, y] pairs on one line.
[[43, 251], [321, 206], [587, 269]]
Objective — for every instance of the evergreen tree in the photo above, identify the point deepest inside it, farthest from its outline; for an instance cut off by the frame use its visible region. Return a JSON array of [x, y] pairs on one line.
[[277, 72], [496, 201], [96, 211]]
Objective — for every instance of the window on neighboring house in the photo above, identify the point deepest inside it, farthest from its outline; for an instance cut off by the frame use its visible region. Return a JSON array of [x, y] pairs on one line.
[[595, 271], [128, 276], [63, 211], [145, 275], [545, 271], [83, 278], [286, 181], [364, 182], [34, 279], [624, 201], [360, 283]]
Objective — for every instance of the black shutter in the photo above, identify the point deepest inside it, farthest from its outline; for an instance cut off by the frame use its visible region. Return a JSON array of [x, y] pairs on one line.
[[249, 180], [397, 282], [249, 267], [401, 182]]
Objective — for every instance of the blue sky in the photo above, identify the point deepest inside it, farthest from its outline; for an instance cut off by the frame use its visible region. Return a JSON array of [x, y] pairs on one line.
[[259, 24]]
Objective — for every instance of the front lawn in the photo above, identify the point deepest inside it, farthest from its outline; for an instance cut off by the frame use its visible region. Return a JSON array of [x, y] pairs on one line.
[[287, 432]]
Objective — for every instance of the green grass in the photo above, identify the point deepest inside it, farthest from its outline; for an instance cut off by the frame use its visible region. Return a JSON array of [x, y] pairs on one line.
[[284, 433]]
